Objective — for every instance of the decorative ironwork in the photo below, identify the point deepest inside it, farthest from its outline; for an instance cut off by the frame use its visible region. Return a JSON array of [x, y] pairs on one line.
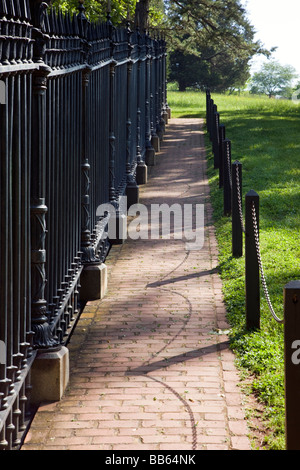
[[43, 337], [77, 119]]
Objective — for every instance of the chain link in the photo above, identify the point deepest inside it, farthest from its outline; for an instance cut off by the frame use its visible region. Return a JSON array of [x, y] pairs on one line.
[[263, 280]]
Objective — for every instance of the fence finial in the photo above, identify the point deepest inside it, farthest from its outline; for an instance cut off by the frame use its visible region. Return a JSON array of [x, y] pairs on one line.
[[81, 9]]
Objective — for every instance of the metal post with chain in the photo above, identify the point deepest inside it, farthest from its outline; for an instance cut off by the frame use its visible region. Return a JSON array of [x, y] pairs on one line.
[[237, 217], [238, 175], [258, 253], [252, 281], [227, 177]]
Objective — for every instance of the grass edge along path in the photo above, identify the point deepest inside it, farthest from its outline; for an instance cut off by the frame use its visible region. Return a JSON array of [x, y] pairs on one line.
[[265, 138]]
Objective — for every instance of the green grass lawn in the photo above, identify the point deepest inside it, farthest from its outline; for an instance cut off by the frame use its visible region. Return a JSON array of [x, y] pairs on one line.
[[265, 136]]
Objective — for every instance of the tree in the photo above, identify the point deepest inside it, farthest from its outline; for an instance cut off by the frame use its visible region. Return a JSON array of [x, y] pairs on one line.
[[220, 73], [143, 13], [149, 13], [98, 9], [214, 39], [273, 79]]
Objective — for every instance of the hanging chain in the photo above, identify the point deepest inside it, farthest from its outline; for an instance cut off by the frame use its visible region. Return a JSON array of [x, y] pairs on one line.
[[239, 197], [229, 166], [263, 280]]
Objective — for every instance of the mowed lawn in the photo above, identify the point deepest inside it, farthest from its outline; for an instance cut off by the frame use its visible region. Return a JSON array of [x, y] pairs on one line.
[[265, 136]]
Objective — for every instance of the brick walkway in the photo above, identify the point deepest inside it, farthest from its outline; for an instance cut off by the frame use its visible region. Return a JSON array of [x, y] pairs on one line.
[[150, 364]]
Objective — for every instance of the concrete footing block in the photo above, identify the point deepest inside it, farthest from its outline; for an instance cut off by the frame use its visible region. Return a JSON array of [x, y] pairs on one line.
[[150, 156], [132, 194], [155, 141], [117, 229], [141, 174], [93, 282], [165, 117], [49, 375]]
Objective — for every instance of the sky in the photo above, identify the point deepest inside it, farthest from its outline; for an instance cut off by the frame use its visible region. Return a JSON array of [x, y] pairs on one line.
[[276, 23]]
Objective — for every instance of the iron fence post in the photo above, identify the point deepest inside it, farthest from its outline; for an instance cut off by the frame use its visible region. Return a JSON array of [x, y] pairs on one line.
[[88, 252], [167, 108], [141, 170], [43, 337], [132, 189], [162, 122], [155, 140], [150, 151], [159, 124], [118, 233], [292, 363], [112, 138], [252, 278]]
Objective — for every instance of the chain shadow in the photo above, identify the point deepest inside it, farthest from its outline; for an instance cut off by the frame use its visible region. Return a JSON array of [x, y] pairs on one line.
[[158, 365], [196, 353], [183, 278]]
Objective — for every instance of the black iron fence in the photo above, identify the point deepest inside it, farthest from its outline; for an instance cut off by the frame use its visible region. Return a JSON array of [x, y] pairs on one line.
[[82, 106], [230, 180]]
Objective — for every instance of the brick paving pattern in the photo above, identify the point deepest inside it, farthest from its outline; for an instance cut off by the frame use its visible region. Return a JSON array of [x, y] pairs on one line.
[[150, 363]]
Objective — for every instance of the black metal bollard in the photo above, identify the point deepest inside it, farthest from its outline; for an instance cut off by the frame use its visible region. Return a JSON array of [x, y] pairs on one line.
[[208, 98], [292, 364], [212, 110], [252, 278], [222, 135], [215, 143], [227, 176], [237, 227], [209, 112]]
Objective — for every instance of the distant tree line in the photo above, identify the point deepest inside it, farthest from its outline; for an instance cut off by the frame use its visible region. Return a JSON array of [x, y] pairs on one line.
[[274, 79]]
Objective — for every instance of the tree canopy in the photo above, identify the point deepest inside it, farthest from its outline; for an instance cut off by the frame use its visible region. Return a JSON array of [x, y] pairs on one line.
[[211, 42], [219, 73], [142, 13]]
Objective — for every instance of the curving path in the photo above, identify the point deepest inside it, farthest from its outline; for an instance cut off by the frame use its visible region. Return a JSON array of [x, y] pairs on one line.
[[150, 363]]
